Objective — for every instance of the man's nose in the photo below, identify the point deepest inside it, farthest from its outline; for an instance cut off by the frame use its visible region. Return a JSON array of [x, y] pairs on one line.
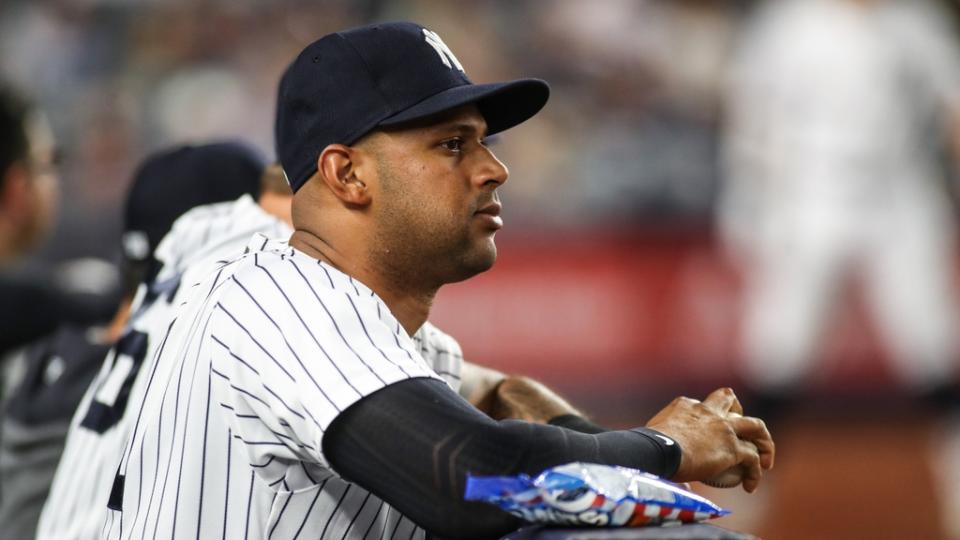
[[492, 170]]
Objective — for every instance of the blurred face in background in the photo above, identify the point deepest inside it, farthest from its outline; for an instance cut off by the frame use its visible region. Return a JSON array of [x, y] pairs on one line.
[[31, 192]]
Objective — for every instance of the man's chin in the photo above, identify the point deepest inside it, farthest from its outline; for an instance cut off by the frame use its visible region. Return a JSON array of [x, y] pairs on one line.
[[487, 257], [476, 262]]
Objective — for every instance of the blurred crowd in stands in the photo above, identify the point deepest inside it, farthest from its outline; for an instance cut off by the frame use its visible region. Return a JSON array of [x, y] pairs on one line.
[[630, 134]]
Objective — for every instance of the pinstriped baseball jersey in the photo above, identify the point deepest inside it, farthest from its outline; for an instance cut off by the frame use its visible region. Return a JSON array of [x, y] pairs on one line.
[[77, 502], [259, 361]]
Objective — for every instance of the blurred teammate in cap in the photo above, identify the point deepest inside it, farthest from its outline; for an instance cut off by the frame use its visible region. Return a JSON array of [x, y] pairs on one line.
[[61, 366], [293, 396], [28, 201], [78, 498]]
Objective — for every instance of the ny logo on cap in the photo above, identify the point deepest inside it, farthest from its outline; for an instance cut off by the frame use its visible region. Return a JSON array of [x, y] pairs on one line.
[[446, 55]]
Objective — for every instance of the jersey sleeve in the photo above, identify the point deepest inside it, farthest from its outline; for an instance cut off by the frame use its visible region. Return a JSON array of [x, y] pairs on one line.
[[289, 353], [442, 352]]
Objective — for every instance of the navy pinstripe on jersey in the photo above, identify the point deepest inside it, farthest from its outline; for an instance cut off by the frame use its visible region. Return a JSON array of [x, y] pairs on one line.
[[228, 443], [76, 506]]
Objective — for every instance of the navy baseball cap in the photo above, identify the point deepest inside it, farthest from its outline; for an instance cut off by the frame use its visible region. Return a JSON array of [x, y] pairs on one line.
[[345, 84], [170, 182]]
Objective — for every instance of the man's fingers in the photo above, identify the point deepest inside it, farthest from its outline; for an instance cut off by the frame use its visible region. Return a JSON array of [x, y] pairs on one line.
[[736, 407], [749, 428], [751, 483], [722, 400], [749, 457], [754, 430], [767, 451]]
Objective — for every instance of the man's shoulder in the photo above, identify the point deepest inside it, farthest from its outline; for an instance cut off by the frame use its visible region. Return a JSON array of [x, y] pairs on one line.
[[269, 267], [431, 338], [218, 229], [273, 286]]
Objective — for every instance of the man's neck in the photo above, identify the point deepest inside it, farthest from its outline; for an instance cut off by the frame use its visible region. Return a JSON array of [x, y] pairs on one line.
[[409, 305], [114, 329]]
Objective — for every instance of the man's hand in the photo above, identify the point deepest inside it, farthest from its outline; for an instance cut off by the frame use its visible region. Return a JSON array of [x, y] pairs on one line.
[[514, 397], [718, 442], [522, 398]]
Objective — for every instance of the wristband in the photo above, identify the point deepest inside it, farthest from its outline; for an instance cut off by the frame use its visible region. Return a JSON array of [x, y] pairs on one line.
[[669, 449]]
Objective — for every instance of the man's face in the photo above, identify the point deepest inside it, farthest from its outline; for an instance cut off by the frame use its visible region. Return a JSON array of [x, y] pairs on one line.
[[437, 208]]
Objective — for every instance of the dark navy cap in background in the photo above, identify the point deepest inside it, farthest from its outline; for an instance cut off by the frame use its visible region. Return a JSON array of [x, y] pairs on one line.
[[169, 183], [345, 84]]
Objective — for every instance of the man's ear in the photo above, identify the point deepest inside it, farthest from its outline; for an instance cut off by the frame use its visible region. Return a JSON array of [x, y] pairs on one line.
[[340, 170]]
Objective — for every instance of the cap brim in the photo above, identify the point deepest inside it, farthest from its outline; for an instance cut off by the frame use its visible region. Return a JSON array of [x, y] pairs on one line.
[[503, 105]]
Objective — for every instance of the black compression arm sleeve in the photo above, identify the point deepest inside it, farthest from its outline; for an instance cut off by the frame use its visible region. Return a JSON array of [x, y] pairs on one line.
[[412, 443], [576, 423]]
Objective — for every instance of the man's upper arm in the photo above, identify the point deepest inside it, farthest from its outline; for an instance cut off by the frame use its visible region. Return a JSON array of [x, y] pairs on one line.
[[289, 355]]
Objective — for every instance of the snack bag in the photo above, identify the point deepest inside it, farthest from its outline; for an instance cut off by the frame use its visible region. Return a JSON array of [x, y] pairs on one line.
[[588, 494]]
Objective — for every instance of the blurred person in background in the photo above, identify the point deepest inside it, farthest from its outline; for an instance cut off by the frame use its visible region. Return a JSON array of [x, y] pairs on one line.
[[841, 115], [60, 367], [28, 176], [78, 495], [28, 200], [837, 110], [37, 299]]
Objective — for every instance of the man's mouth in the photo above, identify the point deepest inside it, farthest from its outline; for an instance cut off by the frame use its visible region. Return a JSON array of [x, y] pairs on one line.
[[490, 213], [492, 209]]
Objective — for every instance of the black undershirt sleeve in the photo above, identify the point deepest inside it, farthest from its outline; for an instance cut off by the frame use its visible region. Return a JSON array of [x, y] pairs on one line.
[[577, 423], [413, 442]]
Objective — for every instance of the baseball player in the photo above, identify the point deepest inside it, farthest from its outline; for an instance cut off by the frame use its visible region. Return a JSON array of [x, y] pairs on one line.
[[168, 184], [289, 398], [77, 504]]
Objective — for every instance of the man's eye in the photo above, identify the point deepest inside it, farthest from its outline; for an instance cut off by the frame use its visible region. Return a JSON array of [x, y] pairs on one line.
[[453, 145]]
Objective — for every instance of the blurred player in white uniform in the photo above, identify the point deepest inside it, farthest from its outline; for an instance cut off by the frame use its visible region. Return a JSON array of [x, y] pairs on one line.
[[839, 112], [77, 500]]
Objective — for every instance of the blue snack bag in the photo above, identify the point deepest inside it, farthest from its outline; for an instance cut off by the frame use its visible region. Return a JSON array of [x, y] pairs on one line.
[[594, 495]]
